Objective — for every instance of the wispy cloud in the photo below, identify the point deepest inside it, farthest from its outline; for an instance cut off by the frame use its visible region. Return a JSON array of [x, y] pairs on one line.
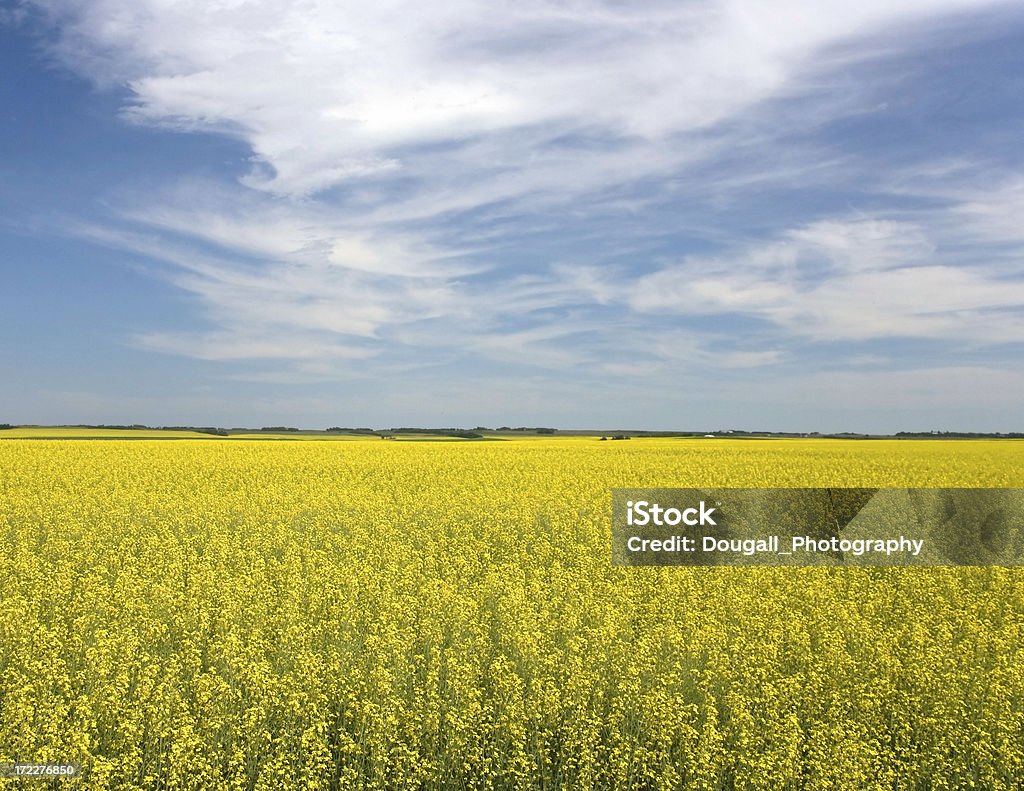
[[336, 93], [854, 279]]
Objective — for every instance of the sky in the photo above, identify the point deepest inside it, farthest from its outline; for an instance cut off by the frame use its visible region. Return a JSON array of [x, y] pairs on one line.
[[694, 215]]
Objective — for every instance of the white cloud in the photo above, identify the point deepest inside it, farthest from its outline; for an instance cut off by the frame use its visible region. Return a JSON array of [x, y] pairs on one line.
[[332, 92], [851, 279], [241, 345], [281, 309], [309, 235], [373, 126]]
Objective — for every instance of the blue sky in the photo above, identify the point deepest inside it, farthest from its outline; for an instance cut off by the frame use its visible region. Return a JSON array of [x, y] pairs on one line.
[[682, 215]]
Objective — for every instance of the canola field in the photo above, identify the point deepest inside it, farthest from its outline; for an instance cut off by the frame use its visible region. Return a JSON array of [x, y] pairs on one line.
[[347, 615]]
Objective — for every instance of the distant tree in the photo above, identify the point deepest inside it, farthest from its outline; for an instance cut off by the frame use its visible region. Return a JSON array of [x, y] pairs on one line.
[[198, 429]]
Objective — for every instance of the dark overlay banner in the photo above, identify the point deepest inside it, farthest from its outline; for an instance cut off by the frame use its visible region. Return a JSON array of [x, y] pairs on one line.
[[817, 527]]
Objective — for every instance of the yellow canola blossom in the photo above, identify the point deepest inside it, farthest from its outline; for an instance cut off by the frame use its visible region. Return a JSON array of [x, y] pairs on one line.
[[385, 615]]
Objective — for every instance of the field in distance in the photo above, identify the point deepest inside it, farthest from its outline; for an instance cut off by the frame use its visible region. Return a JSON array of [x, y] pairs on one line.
[[99, 432]]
